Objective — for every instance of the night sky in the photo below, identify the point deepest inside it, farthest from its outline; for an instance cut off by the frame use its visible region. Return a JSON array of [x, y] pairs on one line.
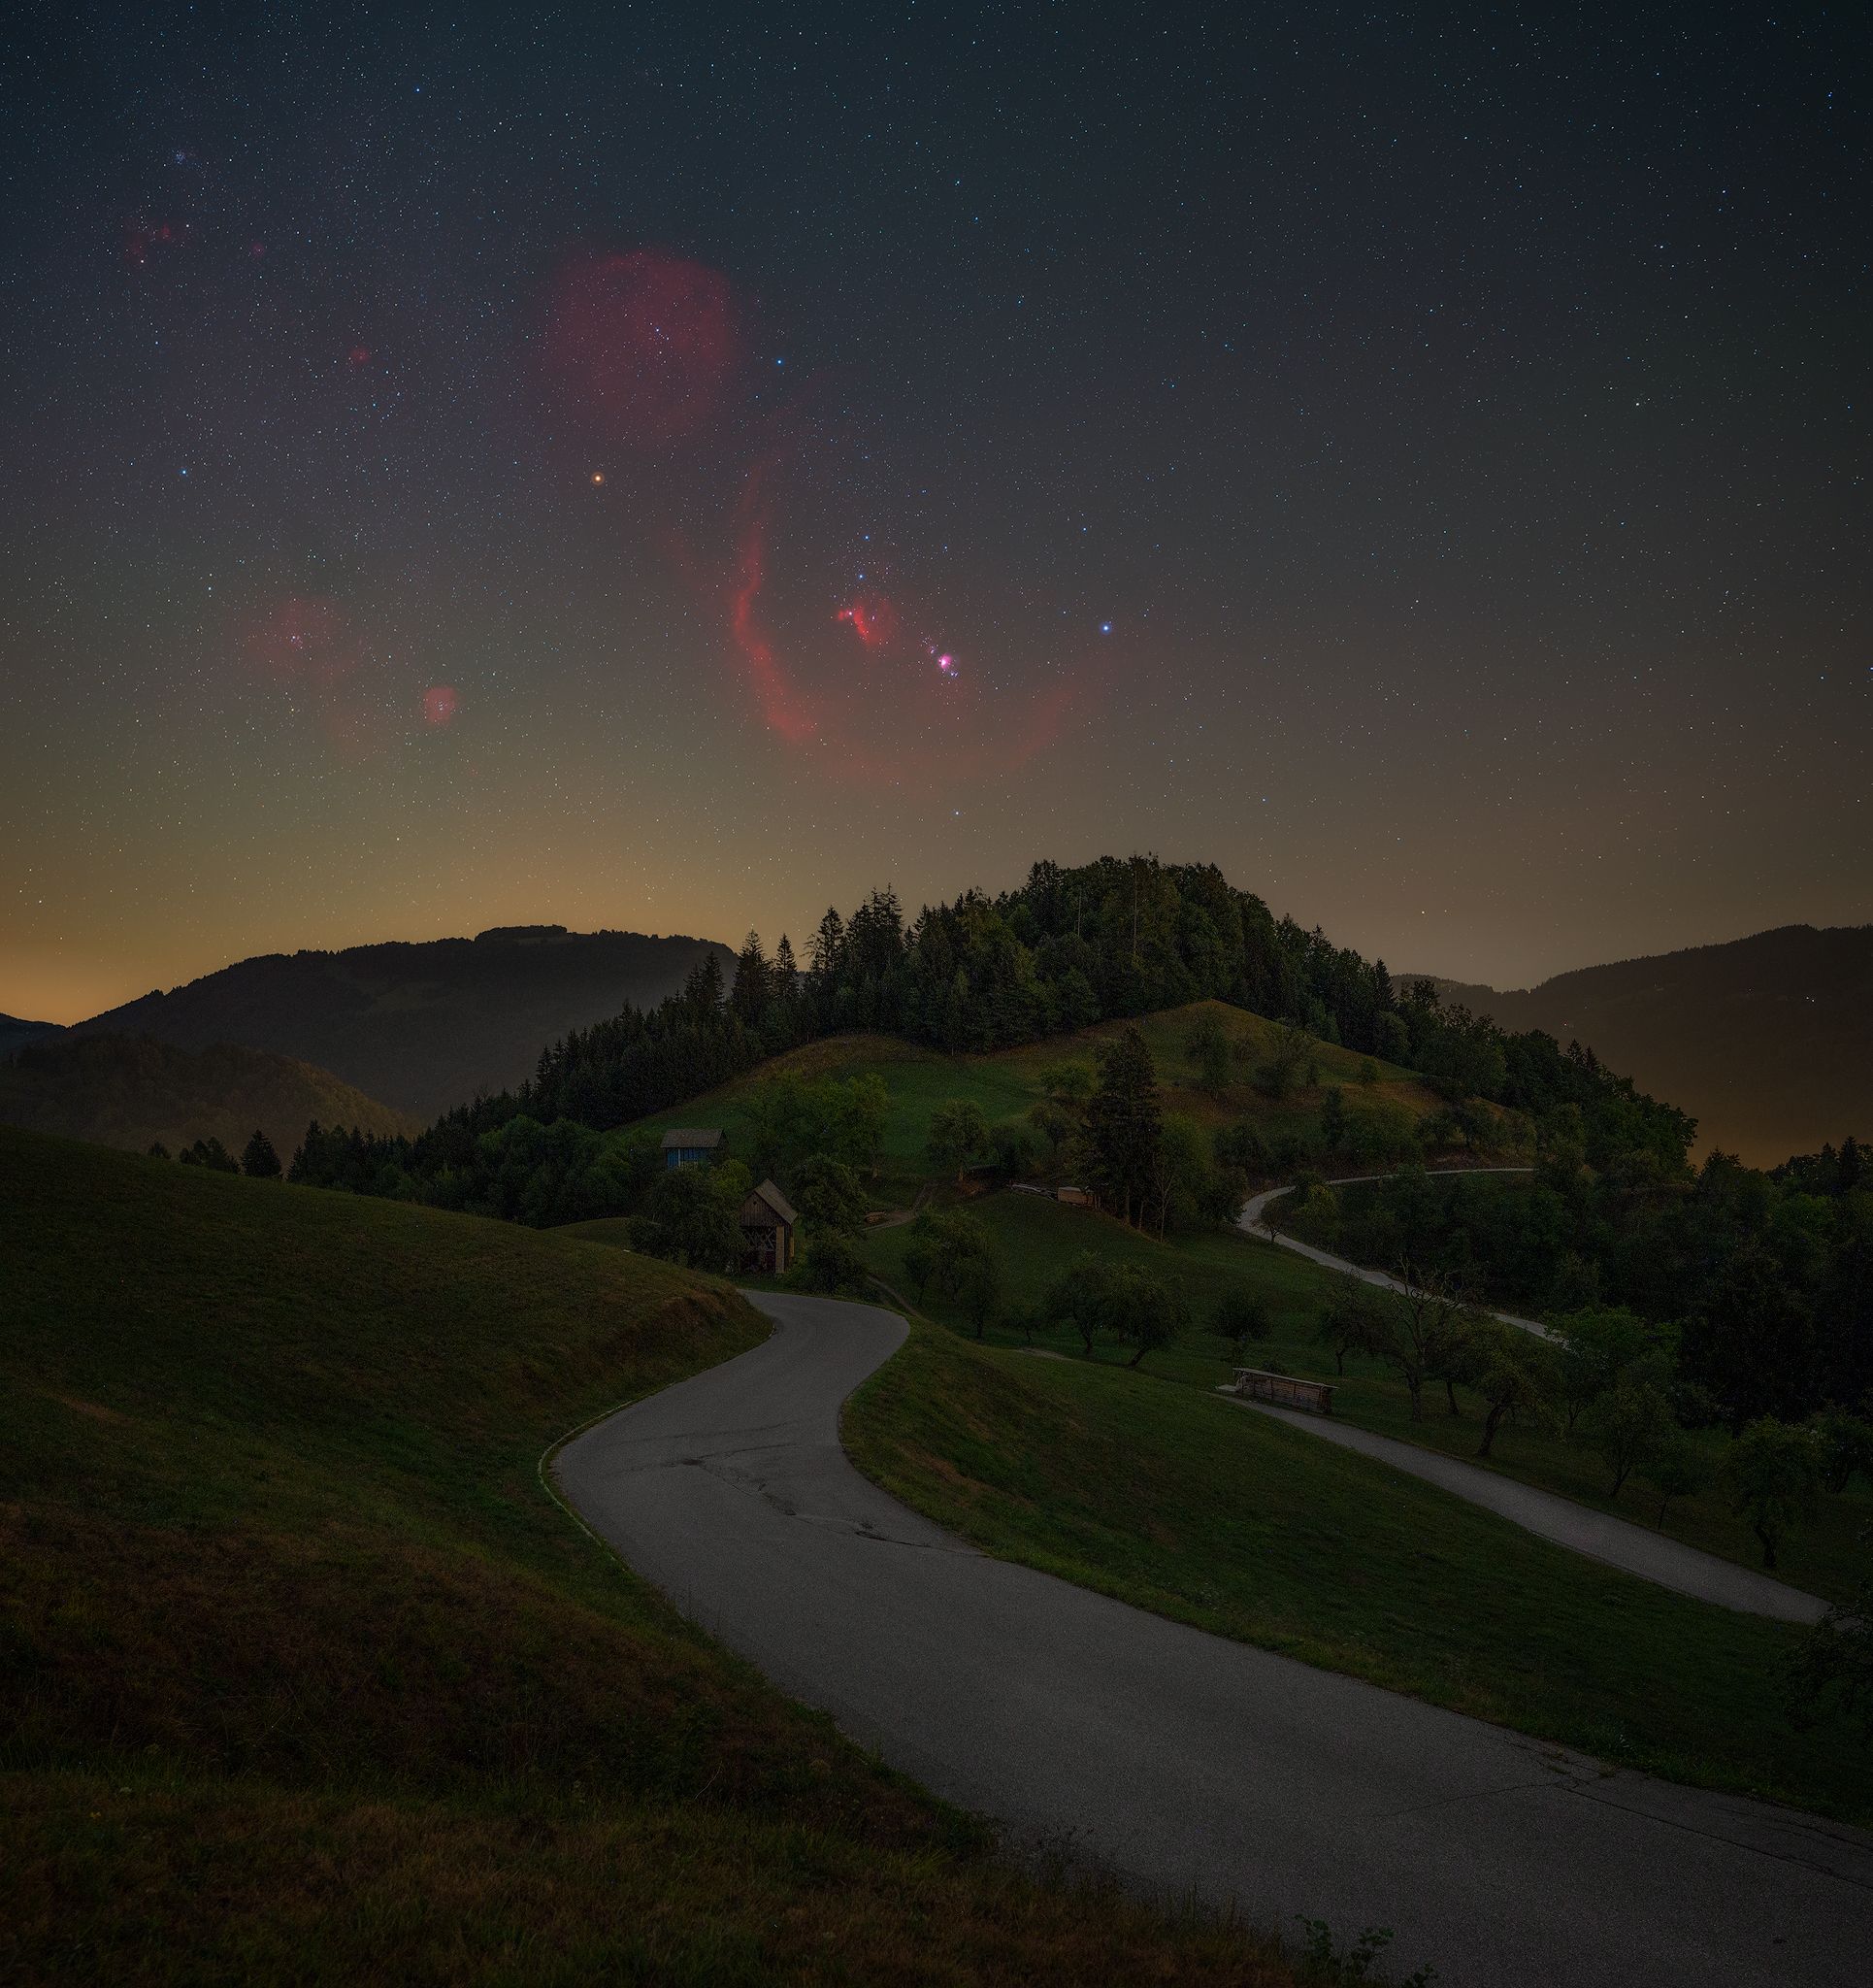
[[669, 468]]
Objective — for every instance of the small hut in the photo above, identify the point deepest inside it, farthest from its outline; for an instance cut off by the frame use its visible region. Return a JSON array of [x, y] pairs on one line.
[[768, 1221], [691, 1145]]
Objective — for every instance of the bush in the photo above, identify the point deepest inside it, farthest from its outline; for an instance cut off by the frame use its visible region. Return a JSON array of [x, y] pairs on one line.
[[830, 1263]]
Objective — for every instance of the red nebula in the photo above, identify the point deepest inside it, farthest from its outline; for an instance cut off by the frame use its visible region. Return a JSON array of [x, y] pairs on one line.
[[438, 704], [873, 621], [140, 237], [643, 345], [358, 357], [778, 704], [303, 639]]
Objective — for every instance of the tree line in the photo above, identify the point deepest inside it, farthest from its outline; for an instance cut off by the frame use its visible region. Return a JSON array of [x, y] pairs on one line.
[[1071, 947]]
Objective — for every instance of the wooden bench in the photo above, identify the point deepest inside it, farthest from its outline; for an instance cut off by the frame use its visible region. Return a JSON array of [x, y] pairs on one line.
[[1285, 1391]]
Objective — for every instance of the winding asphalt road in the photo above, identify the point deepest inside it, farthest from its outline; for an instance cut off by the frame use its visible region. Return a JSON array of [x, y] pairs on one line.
[[1252, 1220], [1183, 1761], [1598, 1535]]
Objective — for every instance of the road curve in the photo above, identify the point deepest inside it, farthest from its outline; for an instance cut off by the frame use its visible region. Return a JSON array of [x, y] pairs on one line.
[[1252, 1220], [1598, 1535], [1181, 1759]]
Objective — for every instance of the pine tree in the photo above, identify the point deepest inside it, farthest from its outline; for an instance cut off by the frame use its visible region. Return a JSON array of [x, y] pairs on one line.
[[259, 1162], [1124, 1122], [753, 980], [786, 974], [829, 947]]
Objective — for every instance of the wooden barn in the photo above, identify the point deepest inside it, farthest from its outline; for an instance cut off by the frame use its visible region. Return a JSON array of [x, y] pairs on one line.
[[768, 1221], [691, 1145]]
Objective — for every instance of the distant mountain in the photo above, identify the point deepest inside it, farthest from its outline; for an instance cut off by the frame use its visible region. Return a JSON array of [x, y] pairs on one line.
[[14, 1032], [1768, 1041], [425, 1026], [126, 1091]]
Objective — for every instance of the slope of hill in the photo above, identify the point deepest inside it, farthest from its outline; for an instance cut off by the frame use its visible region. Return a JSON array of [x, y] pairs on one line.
[[424, 1026], [1007, 1083], [308, 1679], [14, 1034], [1768, 1041], [126, 1091]]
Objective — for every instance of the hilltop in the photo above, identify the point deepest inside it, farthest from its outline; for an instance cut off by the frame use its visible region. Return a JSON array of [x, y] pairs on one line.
[[422, 1027], [1764, 1039], [15, 1033], [125, 1091], [309, 1678], [1008, 1083]]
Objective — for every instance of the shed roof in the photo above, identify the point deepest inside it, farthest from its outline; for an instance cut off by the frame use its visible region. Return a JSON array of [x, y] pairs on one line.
[[776, 1202], [690, 1137]]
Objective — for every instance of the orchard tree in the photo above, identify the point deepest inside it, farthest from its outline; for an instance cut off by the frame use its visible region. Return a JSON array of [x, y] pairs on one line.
[[1207, 1046], [1242, 1317], [1420, 1330], [958, 1130], [1772, 1474], [1081, 1297], [1632, 1422], [1510, 1369], [1347, 1322], [830, 1199], [1676, 1469]]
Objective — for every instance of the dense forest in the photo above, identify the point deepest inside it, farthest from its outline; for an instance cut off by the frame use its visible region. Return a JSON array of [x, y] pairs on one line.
[[1071, 947], [1760, 1284], [1765, 1282]]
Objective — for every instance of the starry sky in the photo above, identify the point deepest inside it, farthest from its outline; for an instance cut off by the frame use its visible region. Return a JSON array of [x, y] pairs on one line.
[[669, 468]]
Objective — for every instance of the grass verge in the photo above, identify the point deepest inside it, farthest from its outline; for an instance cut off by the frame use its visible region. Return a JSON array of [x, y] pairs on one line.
[[305, 1679], [1179, 1501], [1039, 1237]]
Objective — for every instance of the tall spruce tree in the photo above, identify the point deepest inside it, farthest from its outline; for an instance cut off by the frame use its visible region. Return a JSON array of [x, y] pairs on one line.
[[1125, 1122]]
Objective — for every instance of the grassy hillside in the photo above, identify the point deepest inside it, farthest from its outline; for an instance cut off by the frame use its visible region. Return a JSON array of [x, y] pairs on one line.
[[1038, 1238], [128, 1091], [306, 1678], [424, 1027], [1184, 1502], [1007, 1084]]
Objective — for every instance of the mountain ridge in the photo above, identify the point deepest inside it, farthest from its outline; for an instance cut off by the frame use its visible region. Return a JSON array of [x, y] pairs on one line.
[[1767, 1038], [129, 1090], [418, 1024]]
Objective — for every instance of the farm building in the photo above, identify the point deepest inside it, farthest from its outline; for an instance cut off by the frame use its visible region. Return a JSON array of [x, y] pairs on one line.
[[1075, 1197], [691, 1145], [768, 1221]]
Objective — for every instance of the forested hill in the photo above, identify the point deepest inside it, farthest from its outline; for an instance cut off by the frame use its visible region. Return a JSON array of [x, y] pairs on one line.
[[1068, 948], [421, 1027], [125, 1091], [14, 1032], [1768, 1041]]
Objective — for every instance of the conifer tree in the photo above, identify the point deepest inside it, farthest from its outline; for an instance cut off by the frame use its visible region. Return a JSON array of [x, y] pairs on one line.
[[1124, 1123]]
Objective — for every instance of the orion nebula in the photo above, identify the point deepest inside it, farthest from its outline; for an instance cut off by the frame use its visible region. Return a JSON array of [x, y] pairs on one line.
[[667, 468]]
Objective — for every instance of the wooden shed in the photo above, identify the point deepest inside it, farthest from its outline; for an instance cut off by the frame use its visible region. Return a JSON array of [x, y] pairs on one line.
[[768, 1220], [1285, 1390], [692, 1146]]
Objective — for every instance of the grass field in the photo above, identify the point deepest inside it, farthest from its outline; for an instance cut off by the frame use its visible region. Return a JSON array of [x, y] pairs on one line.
[[1006, 1084], [1180, 1501], [307, 1679], [1039, 1237]]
